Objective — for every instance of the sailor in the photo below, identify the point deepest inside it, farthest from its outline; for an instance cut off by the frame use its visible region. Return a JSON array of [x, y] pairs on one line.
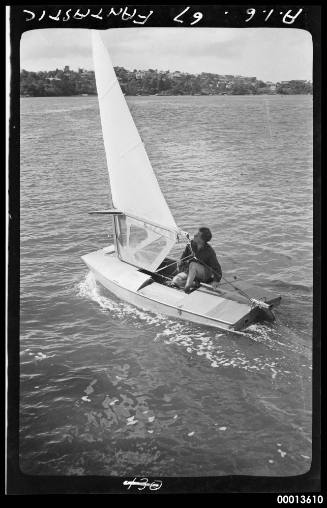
[[198, 263]]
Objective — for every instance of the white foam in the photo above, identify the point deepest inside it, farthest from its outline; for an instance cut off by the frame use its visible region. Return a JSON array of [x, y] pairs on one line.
[[89, 289], [209, 346], [212, 349], [132, 422], [41, 356], [113, 402]]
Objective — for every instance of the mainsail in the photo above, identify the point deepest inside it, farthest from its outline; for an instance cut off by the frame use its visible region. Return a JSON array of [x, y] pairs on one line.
[[147, 231]]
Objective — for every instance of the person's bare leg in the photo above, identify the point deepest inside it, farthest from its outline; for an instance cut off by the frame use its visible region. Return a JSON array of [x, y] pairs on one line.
[[192, 272], [197, 271], [180, 279]]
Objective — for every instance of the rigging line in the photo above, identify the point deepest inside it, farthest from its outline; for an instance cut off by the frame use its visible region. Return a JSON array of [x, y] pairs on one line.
[[214, 271], [155, 273], [238, 289], [193, 256], [174, 263]]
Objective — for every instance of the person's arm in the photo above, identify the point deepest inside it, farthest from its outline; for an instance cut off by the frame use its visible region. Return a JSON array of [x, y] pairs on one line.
[[186, 252], [181, 261]]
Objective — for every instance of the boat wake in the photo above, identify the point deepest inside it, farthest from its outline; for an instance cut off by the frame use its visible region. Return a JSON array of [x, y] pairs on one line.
[[89, 289], [220, 349]]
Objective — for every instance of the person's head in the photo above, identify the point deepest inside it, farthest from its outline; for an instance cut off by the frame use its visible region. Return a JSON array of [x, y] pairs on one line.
[[203, 235]]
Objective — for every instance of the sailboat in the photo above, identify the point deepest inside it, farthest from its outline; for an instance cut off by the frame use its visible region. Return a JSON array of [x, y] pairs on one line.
[[136, 267]]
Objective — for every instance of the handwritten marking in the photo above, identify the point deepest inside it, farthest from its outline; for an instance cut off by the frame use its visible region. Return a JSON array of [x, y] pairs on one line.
[[269, 14], [126, 16], [67, 18], [29, 12], [67, 15], [112, 11], [81, 16], [198, 16], [144, 482], [98, 15], [141, 19], [291, 18], [144, 20], [55, 18], [251, 12], [176, 18]]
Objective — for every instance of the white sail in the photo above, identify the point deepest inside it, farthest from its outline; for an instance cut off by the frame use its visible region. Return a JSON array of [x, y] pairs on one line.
[[134, 187]]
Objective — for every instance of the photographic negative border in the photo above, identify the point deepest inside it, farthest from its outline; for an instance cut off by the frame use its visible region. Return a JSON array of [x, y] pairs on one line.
[[23, 18]]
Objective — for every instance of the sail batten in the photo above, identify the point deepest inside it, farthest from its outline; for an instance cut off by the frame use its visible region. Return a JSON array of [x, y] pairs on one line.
[[134, 187]]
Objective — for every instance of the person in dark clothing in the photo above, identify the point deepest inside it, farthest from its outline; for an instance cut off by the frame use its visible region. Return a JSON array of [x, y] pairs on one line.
[[201, 263]]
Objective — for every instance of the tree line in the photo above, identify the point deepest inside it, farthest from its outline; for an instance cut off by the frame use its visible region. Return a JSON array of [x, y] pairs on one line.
[[66, 82]]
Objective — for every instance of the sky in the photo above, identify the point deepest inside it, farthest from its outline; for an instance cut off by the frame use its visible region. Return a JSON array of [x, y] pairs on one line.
[[270, 54]]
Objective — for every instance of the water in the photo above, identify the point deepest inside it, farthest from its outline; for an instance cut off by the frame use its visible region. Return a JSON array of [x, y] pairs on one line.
[[108, 389]]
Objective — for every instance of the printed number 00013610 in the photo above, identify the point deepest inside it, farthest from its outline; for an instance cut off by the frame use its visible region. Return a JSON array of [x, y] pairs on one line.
[[302, 499]]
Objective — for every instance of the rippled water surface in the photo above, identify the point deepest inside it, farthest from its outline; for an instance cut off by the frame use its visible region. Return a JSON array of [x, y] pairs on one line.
[[108, 389]]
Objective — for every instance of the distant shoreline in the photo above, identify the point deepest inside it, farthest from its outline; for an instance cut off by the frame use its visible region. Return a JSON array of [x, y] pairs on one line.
[[66, 82], [174, 95]]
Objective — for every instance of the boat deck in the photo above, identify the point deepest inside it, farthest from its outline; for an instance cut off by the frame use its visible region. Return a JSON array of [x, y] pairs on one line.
[[224, 309]]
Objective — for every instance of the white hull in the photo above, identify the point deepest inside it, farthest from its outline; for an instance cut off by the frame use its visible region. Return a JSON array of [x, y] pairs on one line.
[[137, 288]]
